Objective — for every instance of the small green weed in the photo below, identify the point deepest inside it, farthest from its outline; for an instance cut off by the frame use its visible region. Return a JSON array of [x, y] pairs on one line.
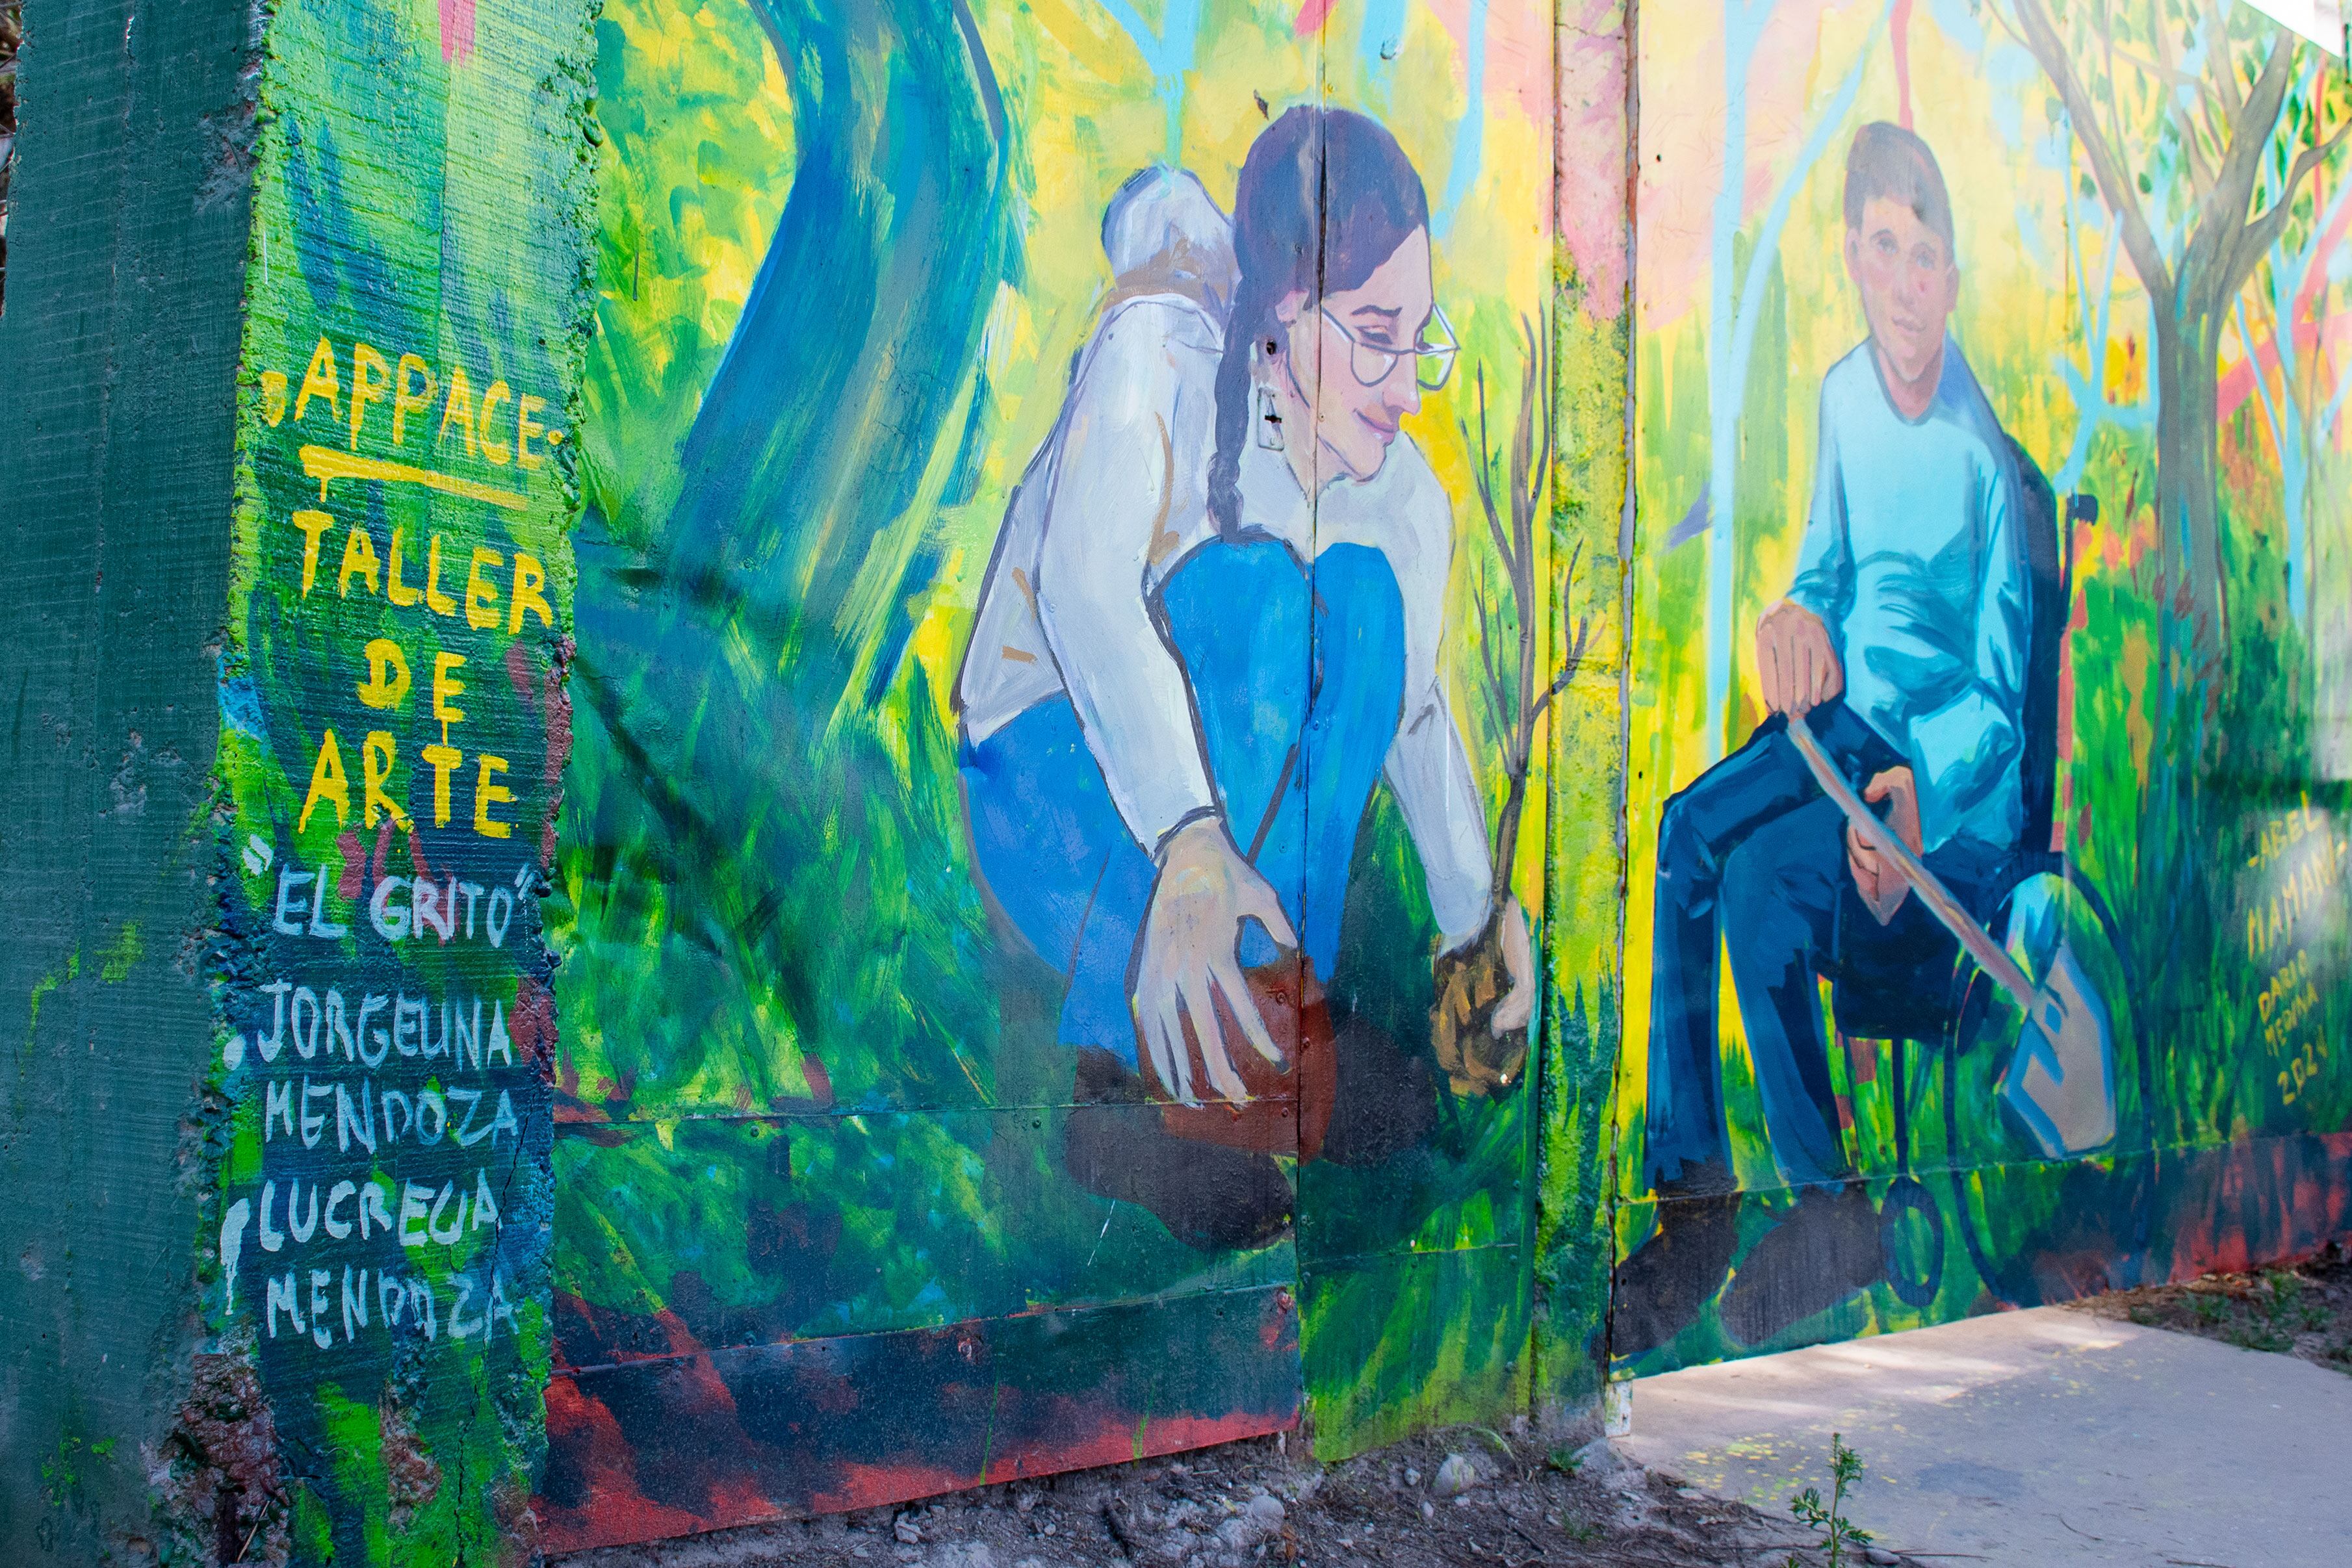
[[1839, 1533], [2267, 1318], [2259, 1336], [1564, 1461], [1501, 1443]]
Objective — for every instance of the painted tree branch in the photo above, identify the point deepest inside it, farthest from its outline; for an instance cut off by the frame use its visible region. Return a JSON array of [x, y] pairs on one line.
[[1473, 979], [2040, 33], [1517, 703], [2221, 226], [2193, 287], [2258, 235], [2170, 73]]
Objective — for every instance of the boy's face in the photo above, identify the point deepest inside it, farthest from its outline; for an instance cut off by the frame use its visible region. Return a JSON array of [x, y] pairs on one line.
[[1909, 284]]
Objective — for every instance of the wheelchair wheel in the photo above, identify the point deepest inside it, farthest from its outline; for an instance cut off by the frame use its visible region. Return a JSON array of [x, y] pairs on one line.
[[1911, 1235], [2005, 1194]]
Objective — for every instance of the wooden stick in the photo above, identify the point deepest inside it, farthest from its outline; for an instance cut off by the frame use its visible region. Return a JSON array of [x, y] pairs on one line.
[[1990, 956]]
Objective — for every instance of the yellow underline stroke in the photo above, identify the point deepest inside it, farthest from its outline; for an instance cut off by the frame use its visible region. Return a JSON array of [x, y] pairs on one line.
[[326, 464]]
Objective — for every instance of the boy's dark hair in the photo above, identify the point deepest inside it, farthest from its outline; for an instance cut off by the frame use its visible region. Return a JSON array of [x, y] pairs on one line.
[[1890, 163]]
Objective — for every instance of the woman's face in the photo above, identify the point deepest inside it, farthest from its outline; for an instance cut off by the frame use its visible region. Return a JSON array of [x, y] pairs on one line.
[[1352, 361]]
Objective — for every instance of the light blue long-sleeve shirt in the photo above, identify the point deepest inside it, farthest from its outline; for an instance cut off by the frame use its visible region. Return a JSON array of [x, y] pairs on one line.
[[1914, 559]]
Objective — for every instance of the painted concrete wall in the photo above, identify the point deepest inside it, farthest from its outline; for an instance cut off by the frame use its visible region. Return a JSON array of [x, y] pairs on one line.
[[118, 360], [581, 808], [868, 289], [298, 301], [2108, 677], [392, 734]]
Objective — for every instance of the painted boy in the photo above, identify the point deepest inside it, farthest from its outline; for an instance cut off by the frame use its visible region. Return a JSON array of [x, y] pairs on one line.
[[1902, 642]]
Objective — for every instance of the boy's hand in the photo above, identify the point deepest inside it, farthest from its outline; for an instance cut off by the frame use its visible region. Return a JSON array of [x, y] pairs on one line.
[[1800, 668], [1875, 875]]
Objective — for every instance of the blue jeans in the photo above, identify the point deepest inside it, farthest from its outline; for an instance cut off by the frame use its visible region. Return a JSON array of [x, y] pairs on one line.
[[1752, 856], [1297, 682]]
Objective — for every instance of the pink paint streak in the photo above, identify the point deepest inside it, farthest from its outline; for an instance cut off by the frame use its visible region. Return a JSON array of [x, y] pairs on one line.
[[1590, 173], [456, 30], [1899, 35], [2332, 336]]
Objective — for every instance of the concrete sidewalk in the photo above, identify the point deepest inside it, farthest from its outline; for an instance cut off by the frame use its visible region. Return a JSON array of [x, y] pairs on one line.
[[2036, 1439]]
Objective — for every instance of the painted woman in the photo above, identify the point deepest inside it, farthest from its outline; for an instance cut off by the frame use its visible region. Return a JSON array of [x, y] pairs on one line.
[[1213, 621]]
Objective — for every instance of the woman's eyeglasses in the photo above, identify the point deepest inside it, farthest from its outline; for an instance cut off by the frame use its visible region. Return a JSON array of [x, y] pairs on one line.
[[1433, 361]]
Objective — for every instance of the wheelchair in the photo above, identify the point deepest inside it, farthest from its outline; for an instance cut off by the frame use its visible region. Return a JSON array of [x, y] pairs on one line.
[[1945, 1023]]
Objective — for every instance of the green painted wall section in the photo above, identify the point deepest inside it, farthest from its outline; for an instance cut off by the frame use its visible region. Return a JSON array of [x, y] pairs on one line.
[[1585, 859], [393, 727], [405, 249], [117, 355], [291, 368], [809, 1090]]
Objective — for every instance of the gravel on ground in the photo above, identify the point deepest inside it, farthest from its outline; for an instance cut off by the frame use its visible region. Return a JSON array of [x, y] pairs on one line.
[[1470, 1497]]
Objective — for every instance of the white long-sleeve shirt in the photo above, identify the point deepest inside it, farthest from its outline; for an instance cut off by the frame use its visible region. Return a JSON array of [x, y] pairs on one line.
[[1113, 501]]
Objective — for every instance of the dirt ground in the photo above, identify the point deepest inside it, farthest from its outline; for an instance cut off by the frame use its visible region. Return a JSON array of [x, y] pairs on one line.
[[2305, 1311], [1248, 1503], [1406, 1507]]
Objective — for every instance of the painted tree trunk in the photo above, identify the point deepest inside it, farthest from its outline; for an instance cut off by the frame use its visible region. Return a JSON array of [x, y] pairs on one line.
[[2190, 528]]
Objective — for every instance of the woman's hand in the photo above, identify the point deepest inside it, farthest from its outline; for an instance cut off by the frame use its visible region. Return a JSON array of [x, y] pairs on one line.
[[1190, 935], [1518, 1003], [1485, 997]]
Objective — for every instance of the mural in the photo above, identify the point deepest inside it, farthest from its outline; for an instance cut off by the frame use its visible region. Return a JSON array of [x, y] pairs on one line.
[[392, 729], [1149, 835], [1988, 937], [1072, 620]]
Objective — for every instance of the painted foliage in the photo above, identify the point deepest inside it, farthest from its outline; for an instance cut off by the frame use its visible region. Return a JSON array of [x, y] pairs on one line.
[[1988, 939], [392, 732], [971, 704]]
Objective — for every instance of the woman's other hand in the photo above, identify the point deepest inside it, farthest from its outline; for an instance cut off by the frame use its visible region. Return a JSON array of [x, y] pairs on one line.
[[1486, 999], [1518, 1003], [1190, 937]]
